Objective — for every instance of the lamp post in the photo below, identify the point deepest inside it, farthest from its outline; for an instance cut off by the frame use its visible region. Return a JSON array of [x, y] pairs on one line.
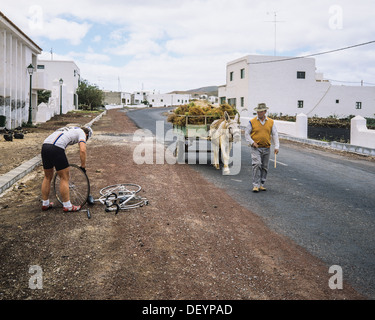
[[30, 70], [61, 81]]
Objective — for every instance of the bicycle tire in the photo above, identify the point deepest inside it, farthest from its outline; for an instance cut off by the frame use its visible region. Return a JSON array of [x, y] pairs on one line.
[[121, 188], [79, 186]]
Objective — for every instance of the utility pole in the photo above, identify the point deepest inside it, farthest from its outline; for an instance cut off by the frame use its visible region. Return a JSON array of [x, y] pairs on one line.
[[119, 85]]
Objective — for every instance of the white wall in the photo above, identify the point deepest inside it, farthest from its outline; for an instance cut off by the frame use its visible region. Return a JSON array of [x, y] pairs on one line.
[[139, 97], [295, 129], [17, 51], [126, 98], [237, 88], [161, 100], [277, 85], [67, 71], [360, 135], [347, 97]]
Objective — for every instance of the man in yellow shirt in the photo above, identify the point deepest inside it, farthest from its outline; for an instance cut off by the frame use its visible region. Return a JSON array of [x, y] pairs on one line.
[[258, 134]]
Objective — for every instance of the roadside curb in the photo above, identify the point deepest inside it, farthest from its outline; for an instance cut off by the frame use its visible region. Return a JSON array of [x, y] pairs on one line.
[[10, 178], [332, 145]]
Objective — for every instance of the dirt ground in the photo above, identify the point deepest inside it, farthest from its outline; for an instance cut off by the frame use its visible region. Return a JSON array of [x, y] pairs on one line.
[[193, 241]]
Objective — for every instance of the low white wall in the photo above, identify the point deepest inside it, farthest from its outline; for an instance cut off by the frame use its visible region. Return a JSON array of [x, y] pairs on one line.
[[360, 135], [295, 129], [113, 106]]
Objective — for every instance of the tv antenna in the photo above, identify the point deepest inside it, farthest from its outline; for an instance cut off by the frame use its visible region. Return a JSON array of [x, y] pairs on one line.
[[275, 21]]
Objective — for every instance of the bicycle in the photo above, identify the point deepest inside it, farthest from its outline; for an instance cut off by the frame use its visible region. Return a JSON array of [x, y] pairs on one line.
[[79, 187], [120, 197]]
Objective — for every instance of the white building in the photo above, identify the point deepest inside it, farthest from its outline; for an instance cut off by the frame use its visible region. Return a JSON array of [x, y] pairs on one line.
[[126, 98], [160, 99], [68, 73], [167, 99], [213, 99], [117, 98], [17, 52], [139, 97], [291, 86]]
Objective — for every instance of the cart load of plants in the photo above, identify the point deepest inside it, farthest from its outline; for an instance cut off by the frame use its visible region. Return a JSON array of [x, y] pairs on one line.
[[197, 113]]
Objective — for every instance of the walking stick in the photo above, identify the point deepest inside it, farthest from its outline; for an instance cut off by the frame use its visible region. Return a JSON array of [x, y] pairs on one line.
[[275, 159]]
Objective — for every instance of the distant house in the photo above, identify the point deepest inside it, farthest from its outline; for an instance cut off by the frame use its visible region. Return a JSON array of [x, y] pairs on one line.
[[66, 71], [213, 99], [138, 97], [117, 98], [167, 99], [17, 52], [291, 86], [126, 98]]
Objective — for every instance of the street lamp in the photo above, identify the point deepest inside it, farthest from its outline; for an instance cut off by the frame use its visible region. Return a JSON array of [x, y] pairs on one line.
[[61, 81], [30, 70]]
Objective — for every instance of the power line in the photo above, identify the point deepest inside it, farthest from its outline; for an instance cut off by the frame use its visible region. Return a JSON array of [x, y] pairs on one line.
[[353, 82], [315, 54]]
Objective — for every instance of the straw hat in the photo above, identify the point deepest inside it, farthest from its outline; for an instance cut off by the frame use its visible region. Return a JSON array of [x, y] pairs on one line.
[[261, 107]]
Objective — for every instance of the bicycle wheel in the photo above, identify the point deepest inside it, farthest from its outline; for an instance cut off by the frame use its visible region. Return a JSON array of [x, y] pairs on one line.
[[121, 189], [79, 186]]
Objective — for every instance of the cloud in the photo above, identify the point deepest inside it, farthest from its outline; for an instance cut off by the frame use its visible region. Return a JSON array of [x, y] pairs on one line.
[[60, 29], [181, 44], [97, 39], [90, 57]]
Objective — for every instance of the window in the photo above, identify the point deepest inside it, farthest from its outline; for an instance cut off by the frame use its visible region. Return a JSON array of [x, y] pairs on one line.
[[222, 100], [242, 102], [301, 75], [232, 102], [337, 101], [40, 67], [231, 76], [242, 73], [358, 105], [300, 103]]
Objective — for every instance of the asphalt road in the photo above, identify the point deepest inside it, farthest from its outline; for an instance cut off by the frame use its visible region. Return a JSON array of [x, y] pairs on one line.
[[322, 200]]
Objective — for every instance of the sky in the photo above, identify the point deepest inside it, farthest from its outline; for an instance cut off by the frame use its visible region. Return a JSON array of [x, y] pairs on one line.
[[167, 45]]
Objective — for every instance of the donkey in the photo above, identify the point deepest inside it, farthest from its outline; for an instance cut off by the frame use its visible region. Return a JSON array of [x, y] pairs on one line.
[[223, 133]]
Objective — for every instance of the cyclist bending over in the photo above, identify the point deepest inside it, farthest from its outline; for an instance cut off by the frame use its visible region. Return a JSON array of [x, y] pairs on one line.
[[53, 155]]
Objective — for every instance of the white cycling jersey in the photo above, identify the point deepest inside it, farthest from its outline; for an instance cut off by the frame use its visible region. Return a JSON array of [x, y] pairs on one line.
[[66, 136]]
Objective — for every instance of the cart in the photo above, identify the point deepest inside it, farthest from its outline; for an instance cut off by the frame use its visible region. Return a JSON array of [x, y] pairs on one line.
[[193, 139]]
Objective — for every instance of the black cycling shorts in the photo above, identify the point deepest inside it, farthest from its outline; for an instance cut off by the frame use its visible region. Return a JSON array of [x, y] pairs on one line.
[[53, 156]]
